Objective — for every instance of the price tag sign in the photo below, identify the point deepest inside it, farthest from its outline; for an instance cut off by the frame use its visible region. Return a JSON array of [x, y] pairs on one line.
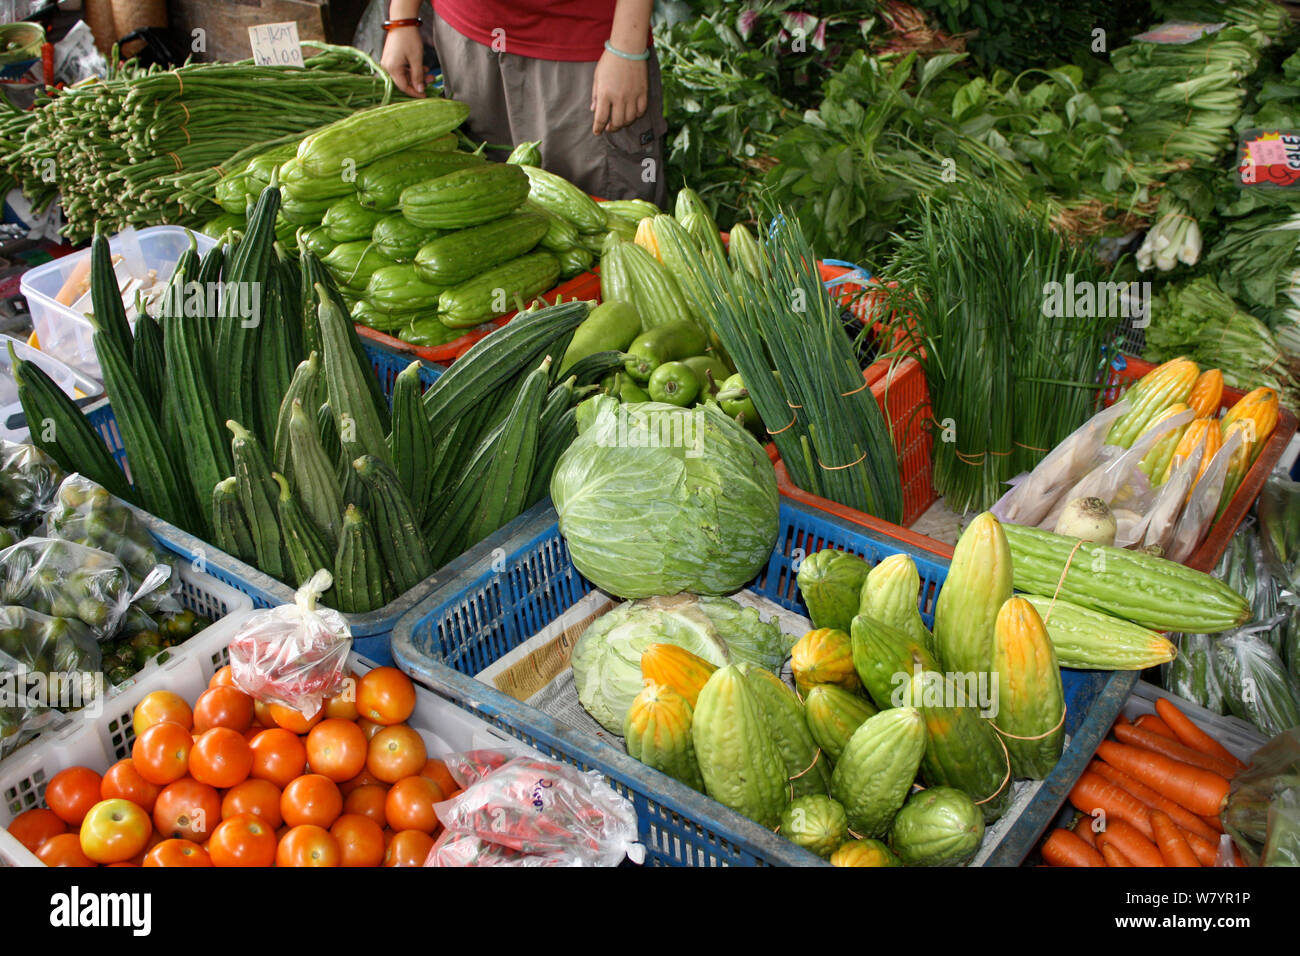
[[276, 44], [1269, 158]]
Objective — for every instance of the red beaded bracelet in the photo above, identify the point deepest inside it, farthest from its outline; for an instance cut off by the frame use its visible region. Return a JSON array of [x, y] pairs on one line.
[[409, 22]]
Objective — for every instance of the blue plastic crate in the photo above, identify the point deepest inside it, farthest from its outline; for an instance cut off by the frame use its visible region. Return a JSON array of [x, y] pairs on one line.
[[502, 599], [370, 631]]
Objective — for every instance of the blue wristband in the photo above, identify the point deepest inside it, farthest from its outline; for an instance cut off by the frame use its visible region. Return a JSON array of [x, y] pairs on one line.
[[643, 55]]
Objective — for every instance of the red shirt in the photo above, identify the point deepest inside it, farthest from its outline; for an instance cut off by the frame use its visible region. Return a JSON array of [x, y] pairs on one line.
[[572, 30]]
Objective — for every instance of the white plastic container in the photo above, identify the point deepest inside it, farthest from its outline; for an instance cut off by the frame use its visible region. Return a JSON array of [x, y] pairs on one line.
[[67, 334], [101, 742], [1238, 737], [73, 383]]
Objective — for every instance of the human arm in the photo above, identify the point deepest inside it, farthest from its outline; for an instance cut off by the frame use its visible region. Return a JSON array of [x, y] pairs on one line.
[[403, 55], [620, 87]]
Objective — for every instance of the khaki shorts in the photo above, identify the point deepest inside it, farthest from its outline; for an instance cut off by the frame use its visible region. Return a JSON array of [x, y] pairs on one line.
[[515, 99]]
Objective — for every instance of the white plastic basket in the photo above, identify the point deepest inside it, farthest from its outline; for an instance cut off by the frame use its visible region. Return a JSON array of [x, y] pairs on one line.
[[100, 743], [68, 335], [1240, 738]]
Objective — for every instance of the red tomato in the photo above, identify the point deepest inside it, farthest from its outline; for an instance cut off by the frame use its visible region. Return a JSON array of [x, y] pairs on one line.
[[33, 827], [221, 758], [360, 840], [409, 804], [177, 853], [369, 727], [396, 752], [311, 799], [336, 749], [343, 705], [386, 696], [368, 801], [408, 848], [162, 753], [364, 779], [307, 845], [278, 756], [260, 798], [187, 809], [63, 850], [225, 677], [115, 830], [243, 840], [72, 792], [124, 781], [290, 719], [437, 771], [159, 706], [223, 707]]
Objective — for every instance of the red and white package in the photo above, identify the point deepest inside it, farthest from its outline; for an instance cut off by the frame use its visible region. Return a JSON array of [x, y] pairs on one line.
[[295, 654]]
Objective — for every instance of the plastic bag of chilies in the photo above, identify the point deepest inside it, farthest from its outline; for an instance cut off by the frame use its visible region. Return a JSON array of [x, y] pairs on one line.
[[534, 812], [1263, 809]]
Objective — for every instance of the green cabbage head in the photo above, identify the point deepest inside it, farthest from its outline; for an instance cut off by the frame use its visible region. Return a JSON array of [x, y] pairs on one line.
[[655, 499]]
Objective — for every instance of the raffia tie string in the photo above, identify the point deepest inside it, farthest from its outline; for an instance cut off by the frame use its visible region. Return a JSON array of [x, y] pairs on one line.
[[826, 467], [1061, 583], [1005, 780], [1059, 724]]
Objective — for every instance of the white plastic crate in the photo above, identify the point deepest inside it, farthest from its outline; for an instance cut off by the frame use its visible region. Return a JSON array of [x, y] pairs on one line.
[[100, 743], [67, 334], [1240, 738], [73, 383]]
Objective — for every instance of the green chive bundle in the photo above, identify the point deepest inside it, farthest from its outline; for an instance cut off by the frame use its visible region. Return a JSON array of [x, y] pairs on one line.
[[1009, 374]]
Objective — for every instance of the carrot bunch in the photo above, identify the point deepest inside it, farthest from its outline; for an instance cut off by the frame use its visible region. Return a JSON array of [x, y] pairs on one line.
[[1158, 787]]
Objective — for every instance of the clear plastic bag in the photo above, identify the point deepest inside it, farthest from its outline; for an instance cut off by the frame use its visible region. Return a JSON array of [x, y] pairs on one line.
[[1198, 514], [65, 655], [1036, 493], [1162, 518], [85, 513], [551, 812], [1263, 810], [1278, 512], [63, 579], [1256, 685], [28, 481], [295, 654], [1192, 675]]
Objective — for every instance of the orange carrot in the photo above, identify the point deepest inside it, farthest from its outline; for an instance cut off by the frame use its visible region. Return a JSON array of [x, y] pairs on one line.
[[1207, 851], [1094, 792], [1214, 823], [1169, 840], [1119, 719], [1191, 735], [1130, 841], [1174, 750], [1083, 830], [1154, 724], [1184, 818], [1200, 791], [1111, 854], [1063, 848]]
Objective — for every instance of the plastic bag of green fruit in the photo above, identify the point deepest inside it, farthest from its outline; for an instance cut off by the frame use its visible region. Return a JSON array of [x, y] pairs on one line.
[[28, 481], [85, 513]]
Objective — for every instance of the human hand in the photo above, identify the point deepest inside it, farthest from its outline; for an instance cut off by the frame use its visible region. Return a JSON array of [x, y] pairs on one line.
[[619, 92], [403, 58]]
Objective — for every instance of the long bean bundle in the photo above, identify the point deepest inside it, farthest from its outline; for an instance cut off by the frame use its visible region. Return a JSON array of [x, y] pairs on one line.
[[145, 146], [785, 336], [990, 302]]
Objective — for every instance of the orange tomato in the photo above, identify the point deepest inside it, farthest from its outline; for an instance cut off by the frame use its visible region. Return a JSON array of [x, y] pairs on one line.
[[154, 839], [158, 706], [290, 719], [336, 749], [368, 801], [396, 752], [177, 853], [162, 753], [311, 799], [72, 792], [187, 809], [243, 840], [63, 850], [221, 758], [261, 798], [360, 840], [369, 727], [223, 707], [33, 827], [262, 713], [437, 771], [278, 756], [364, 779], [124, 781], [307, 845], [225, 677], [343, 705], [409, 804], [386, 696], [114, 831], [408, 848]]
